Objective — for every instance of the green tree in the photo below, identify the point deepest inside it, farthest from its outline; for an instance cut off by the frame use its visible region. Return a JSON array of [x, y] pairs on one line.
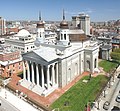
[[115, 54]]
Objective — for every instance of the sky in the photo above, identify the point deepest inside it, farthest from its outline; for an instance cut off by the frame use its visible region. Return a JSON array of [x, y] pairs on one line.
[[51, 10]]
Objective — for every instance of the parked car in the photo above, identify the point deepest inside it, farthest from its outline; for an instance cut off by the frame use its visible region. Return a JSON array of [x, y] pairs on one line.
[[118, 76], [106, 105], [118, 98], [115, 108]]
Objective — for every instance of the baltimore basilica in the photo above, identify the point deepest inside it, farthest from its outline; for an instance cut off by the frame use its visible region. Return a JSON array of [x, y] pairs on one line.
[[53, 65]]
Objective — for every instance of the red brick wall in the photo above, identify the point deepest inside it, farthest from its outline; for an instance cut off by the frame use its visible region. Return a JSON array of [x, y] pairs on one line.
[[15, 30], [9, 56], [13, 68]]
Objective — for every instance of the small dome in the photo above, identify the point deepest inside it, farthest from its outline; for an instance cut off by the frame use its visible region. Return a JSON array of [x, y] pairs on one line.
[[64, 25], [40, 24], [23, 32]]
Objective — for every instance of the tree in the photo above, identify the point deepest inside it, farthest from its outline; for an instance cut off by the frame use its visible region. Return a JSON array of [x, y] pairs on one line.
[[115, 54]]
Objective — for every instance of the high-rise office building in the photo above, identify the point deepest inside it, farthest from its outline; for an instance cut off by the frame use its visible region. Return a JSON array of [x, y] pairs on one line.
[[82, 21], [2, 26]]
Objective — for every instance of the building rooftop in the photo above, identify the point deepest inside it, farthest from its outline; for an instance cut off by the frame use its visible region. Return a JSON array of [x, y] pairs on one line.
[[23, 33]]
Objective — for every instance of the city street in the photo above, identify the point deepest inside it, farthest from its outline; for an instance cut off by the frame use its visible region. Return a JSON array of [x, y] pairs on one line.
[[115, 93], [13, 102], [109, 95], [6, 106]]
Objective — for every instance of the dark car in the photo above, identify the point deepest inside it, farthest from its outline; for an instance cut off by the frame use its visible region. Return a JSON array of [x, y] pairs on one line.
[[118, 98], [115, 108], [106, 105], [118, 76]]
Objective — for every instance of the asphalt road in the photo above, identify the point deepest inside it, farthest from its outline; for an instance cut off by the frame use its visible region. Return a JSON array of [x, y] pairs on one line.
[[6, 106], [116, 92], [111, 95]]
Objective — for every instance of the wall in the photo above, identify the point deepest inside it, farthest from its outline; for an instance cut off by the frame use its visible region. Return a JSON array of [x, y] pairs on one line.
[[12, 68], [71, 67]]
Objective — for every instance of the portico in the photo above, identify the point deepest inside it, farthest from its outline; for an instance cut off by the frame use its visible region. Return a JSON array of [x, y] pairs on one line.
[[44, 76]]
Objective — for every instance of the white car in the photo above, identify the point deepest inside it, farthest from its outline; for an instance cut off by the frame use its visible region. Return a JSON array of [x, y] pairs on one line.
[[118, 98]]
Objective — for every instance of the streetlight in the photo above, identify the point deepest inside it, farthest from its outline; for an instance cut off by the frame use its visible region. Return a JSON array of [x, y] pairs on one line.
[[104, 93], [98, 104], [18, 83], [109, 82]]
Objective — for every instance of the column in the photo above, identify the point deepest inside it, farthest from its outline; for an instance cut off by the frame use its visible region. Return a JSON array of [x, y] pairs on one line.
[[24, 71], [33, 80], [48, 77], [28, 70], [56, 73], [53, 74], [42, 77], [37, 71]]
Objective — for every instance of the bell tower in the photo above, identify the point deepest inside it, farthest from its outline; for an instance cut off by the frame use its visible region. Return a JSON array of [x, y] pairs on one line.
[[40, 28], [64, 32]]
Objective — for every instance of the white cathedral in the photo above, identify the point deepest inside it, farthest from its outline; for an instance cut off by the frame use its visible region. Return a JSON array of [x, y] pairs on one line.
[[54, 65]]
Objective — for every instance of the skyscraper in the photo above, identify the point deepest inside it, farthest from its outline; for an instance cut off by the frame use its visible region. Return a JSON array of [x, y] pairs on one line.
[[82, 21], [2, 26]]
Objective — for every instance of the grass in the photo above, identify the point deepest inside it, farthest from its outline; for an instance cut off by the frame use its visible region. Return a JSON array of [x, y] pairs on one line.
[[79, 95], [108, 65]]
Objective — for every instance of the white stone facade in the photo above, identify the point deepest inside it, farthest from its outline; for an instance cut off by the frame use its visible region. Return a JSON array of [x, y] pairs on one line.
[[53, 66], [23, 41]]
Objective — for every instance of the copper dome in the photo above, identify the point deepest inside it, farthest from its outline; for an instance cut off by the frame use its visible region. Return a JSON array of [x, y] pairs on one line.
[[40, 24], [64, 23]]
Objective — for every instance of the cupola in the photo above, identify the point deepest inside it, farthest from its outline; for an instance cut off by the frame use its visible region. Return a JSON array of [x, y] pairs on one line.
[[40, 24], [64, 24]]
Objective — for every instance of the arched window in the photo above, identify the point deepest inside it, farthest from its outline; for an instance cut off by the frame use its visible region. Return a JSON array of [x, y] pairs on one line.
[[76, 68], [65, 36], [40, 34], [95, 63], [69, 74], [88, 65], [61, 36]]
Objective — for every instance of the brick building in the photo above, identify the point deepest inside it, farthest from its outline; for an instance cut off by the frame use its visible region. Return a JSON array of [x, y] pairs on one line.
[[10, 62]]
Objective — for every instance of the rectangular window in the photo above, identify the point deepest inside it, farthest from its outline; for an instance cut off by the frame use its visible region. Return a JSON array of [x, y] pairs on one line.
[[61, 36], [65, 36]]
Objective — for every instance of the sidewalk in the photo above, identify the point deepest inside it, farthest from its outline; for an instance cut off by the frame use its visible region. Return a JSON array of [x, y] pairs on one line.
[[20, 104], [45, 101], [108, 95]]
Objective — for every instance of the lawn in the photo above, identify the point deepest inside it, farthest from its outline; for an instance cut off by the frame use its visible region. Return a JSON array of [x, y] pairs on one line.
[[108, 65], [79, 95]]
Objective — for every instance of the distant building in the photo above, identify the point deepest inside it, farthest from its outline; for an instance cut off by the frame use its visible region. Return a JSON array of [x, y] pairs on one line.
[[12, 30], [10, 61], [2, 26], [105, 47], [82, 21], [23, 41], [116, 41]]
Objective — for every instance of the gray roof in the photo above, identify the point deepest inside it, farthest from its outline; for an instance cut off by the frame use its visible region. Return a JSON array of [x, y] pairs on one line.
[[43, 56], [106, 47]]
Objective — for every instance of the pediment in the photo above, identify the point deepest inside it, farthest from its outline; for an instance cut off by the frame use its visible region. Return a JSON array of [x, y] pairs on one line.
[[32, 56]]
